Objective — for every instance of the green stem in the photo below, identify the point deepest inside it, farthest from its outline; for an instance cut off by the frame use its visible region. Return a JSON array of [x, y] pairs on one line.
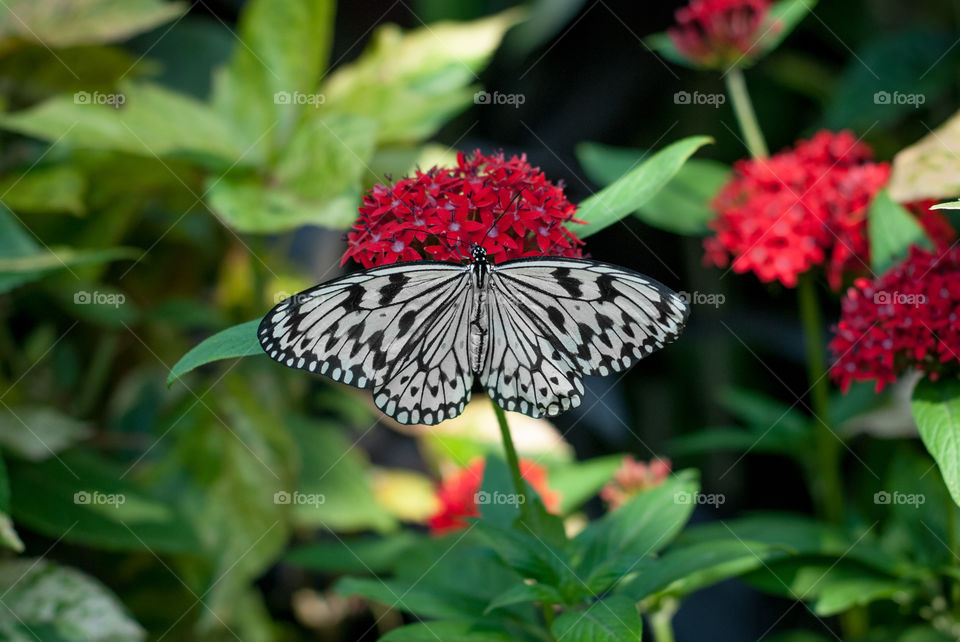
[[512, 461], [826, 473], [743, 109], [661, 621]]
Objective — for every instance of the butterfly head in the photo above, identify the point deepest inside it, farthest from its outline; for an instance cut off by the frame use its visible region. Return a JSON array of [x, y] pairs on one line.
[[478, 254]]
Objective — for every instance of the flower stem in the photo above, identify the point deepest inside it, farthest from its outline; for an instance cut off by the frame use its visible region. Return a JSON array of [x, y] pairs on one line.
[[512, 461], [743, 109], [661, 621], [828, 489]]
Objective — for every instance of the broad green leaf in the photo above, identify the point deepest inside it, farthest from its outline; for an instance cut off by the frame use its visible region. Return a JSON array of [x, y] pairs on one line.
[[612, 619], [892, 230], [38, 432], [83, 499], [892, 77], [522, 593], [929, 168], [57, 188], [81, 22], [577, 482], [641, 527], [412, 82], [785, 15], [364, 554], [682, 206], [837, 596], [238, 341], [936, 409], [40, 595], [151, 121], [632, 190], [421, 599], [281, 50], [433, 631]]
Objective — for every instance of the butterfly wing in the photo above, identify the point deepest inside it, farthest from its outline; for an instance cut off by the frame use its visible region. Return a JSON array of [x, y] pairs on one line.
[[400, 330], [553, 320]]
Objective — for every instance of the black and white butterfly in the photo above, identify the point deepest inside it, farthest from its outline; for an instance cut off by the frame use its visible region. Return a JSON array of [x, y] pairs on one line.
[[418, 334]]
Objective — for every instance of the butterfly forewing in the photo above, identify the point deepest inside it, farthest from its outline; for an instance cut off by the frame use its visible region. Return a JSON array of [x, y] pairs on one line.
[[553, 320], [401, 330]]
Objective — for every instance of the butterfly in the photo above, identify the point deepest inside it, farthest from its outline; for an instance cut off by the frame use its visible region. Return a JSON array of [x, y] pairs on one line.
[[418, 334]]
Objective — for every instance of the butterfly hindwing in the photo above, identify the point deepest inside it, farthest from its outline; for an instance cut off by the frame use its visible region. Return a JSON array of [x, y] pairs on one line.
[[401, 330], [553, 320]]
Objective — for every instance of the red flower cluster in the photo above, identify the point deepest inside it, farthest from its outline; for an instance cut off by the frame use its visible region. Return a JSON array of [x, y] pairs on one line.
[[719, 33], [909, 317], [781, 216], [458, 495], [632, 478], [507, 206]]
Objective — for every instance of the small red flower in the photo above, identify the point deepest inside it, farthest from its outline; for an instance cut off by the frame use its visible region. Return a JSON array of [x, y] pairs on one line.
[[634, 477], [507, 206], [805, 207], [719, 33], [458, 495], [909, 317]]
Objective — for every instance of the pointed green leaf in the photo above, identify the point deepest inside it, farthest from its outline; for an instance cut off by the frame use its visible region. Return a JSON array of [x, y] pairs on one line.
[[238, 341], [612, 619], [892, 230], [936, 409]]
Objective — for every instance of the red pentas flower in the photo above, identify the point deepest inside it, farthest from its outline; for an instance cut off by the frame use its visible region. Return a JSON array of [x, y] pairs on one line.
[[906, 318], [804, 207], [632, 478], [506, 205], [719, 33], [457, 495]]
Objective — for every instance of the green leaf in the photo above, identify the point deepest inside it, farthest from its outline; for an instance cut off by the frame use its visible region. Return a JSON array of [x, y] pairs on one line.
[[412, 82], [81, 22], [936, 409], [40, 595], [523, 593], [238, 341], [761, 411], [952, 205], [612, 619], [45, 189], [421, 599], [577, 482], [281, 51], [892, 230], [682, 206], [711, 440], [837, 596], [354, 555], [8, 535], [38, 432], [152, 121], [432, 631], [632, 190]]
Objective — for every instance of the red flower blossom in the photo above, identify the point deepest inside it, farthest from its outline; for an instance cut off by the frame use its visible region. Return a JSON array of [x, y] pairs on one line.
[[719, 33], [507, 206], [906, 318], [634, 477], [779, 217], [458, 495]]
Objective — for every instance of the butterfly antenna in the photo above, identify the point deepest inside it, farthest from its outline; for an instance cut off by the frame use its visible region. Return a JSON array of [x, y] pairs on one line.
[[500, 216]]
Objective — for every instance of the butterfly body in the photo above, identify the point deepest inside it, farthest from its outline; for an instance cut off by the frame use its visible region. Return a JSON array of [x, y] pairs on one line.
[[420, 333]]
